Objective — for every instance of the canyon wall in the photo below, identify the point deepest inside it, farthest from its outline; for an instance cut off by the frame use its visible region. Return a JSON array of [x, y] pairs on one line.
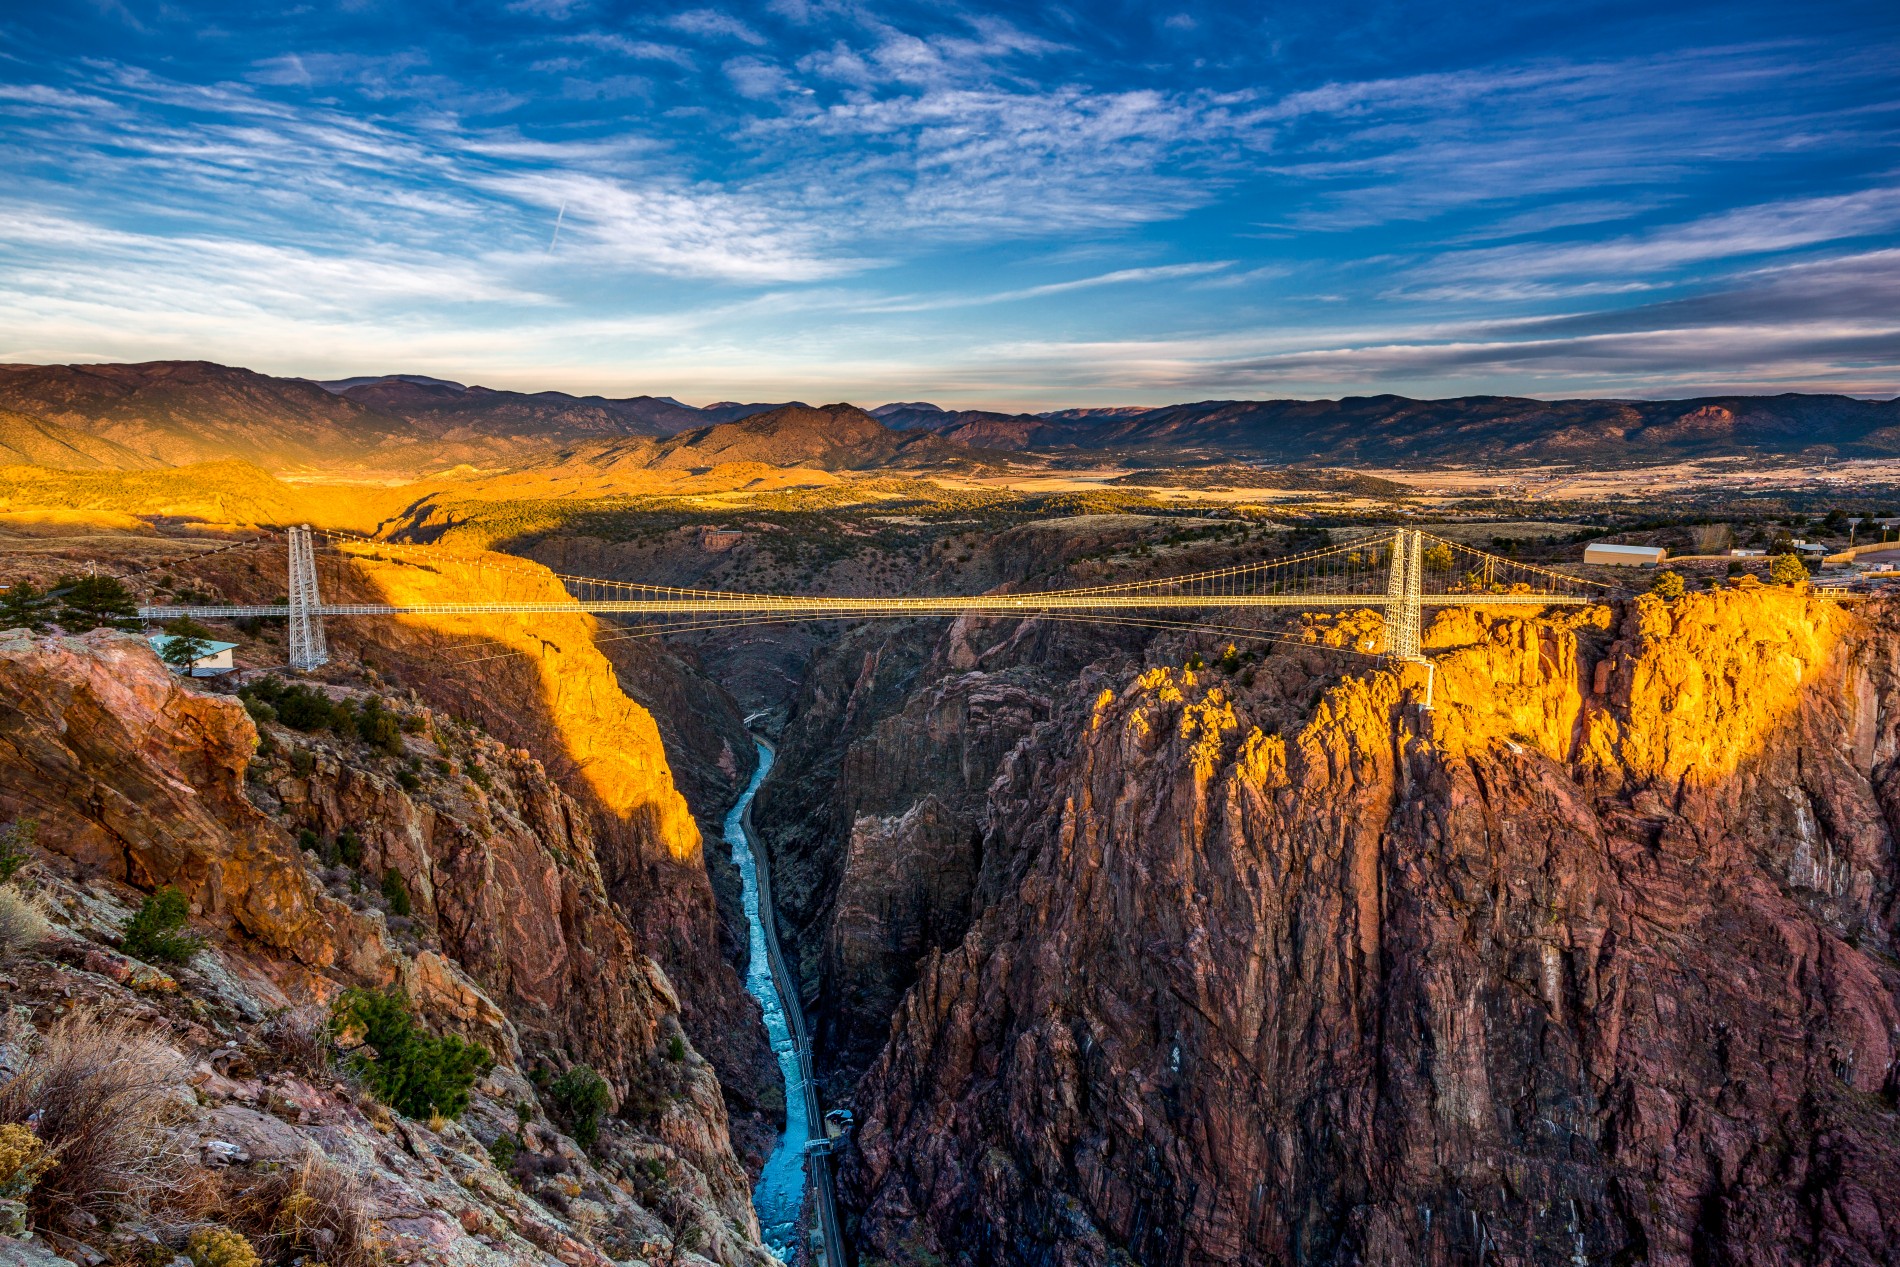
[[540, 683], [458, 869], [1594, 962]]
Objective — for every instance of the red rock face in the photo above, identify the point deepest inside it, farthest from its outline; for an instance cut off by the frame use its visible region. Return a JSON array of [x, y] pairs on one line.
[[138, 776], [1595, 963]]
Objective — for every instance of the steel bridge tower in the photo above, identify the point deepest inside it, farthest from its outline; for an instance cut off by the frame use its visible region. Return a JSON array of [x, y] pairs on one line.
[[1404, 605], [307, 647]]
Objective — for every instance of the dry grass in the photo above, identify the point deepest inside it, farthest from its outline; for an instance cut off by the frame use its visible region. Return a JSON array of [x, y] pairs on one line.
[[318, 1211], [300, 1039], [23, 923], [104, 1092]]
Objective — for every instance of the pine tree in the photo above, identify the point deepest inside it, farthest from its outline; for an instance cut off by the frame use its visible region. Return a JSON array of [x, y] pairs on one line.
[[95, 601], [24, 606], [190, 642]]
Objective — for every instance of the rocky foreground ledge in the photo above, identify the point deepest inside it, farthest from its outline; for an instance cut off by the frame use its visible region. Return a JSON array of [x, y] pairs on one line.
[[437, 863]]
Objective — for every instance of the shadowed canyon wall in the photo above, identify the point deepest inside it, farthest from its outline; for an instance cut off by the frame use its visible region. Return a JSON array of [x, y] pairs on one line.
[[1595, 962]]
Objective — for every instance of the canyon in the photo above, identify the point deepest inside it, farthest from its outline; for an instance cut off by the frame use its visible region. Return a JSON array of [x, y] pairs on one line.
[[1118, 943]]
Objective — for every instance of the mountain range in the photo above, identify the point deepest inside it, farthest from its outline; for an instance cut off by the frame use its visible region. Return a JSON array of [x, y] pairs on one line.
[[167, 413]]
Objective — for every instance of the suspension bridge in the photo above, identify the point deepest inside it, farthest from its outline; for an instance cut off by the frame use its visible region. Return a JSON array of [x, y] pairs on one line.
[[1400, 572]]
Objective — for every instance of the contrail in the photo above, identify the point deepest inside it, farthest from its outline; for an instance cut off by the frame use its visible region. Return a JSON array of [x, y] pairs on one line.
[[557, 230]]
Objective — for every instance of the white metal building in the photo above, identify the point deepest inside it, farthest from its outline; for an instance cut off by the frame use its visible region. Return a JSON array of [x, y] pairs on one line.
[[1624, 556], [215, 660]]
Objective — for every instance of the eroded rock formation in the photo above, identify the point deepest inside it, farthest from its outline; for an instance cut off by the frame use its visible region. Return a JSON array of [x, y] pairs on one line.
[[1593, 963], [136, 779]]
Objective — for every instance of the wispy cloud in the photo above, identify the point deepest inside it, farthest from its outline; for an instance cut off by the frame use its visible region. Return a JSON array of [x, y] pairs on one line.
[[783, 190], [713, 23]]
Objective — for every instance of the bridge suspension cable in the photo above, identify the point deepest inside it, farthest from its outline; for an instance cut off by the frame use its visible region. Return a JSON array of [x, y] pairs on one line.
[[1400, 572]]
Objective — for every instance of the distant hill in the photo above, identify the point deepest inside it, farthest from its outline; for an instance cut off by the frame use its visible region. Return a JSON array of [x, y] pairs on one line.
[[172, 413], [906, 415], [452, 410], [37, 442], [176, 412], [227, 492], [1463, 429], [168, 413], [832, 438]]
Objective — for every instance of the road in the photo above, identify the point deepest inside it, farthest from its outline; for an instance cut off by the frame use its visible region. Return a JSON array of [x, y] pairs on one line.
[[818, 1163]]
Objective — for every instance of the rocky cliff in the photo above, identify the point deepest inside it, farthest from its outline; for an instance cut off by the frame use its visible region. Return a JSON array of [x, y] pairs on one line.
[[543, 685], [874, 813], [1594, 962], [443, 862]]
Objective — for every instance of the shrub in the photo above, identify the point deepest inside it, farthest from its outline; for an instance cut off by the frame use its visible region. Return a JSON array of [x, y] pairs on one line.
[[302, 763], [22, 923], [676, 1048], [15, 838], [102, 1095], [1668, 586], [317, 1212], [298, 706], [504, 1151], [152, 934], [379, 728], [581, 1098], [396, 893], [300, 1039], [349, 848], [23, 1159], [408, 780], [1787, 569], [221, 1247], [414, 1072]]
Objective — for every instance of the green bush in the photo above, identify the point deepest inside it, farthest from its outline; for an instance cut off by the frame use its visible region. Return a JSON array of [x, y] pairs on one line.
[[349, 849], [1787, 569], [581, 1098], [676, 1048], [379, 728], [298, 706], [504, 1151], [152, 934], [1668, 586], [15, 837], [396, 893], [406, 1067]]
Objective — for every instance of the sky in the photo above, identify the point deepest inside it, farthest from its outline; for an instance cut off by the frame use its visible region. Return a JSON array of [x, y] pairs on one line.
[[1016, 206]]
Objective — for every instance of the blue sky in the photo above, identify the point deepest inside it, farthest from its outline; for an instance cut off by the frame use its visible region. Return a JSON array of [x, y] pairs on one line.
[[1003, 205]]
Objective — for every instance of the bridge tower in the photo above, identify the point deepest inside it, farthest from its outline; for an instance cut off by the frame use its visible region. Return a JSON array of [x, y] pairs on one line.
[[1404, 611], [307, 647]]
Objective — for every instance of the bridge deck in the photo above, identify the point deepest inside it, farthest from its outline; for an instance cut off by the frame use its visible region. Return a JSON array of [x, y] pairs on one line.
[[845, 608]]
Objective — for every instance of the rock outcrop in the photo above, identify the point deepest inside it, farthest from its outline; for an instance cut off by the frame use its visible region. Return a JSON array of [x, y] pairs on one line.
[[542, 685], [458, 869], [1595, 962]]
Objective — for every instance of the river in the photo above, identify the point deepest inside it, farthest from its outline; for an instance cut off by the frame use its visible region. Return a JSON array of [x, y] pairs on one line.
[[781, 1190]]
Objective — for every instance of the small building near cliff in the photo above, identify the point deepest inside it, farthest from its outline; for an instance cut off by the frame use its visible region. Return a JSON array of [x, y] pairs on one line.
[[718, 540], [215, 660], [1624, 556]]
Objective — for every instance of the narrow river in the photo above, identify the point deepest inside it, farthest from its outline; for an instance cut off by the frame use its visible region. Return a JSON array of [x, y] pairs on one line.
[[781, 1190]]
